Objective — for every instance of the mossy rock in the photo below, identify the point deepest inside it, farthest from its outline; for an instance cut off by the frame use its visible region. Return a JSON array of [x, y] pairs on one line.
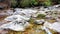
[[41, 16]]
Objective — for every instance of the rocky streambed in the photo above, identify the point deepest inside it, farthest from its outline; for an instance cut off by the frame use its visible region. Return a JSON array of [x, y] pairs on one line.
[[31, 20]]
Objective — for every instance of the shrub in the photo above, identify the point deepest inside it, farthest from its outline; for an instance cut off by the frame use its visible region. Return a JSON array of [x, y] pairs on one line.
[[24, 3], [34, 2], [13, 3], [27, 3], [47, 2]]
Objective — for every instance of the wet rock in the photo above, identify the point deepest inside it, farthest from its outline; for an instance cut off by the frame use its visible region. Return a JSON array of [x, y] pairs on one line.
[[16, 25], [40, 21], [49, 17], [25, 12], [47, 30], [6, 12], [42, 12], [55, 26], [56, 6], [14, 17], [9, 12]]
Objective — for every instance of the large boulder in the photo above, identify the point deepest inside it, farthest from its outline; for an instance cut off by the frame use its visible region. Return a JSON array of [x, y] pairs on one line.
[[16, 26], [17, 23], [55, 26]]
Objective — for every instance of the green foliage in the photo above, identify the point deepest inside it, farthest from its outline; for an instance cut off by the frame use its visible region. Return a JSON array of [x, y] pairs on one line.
[[24, 3], [47, 2], [34, 2], [42, 16], [27, 3], [13, 3]]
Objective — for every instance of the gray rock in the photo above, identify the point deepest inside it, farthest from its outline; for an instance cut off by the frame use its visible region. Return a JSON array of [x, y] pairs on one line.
[[16, 25], [55, 26], [14, 17], [39, 21], [1, 7]]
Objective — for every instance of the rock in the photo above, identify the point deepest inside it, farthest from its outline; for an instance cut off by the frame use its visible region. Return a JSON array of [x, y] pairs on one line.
[[55, 26], [6, 12], [1, 7], [16, 25], [47, 30], [40, 21], [48, 17], [18, 9], [25, 12], [56, 6], [42, 12], [42, 8], [58, 20], [14, 17], [9, 12]]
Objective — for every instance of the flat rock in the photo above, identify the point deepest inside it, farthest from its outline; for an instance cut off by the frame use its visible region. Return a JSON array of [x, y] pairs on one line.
[[55, 26]]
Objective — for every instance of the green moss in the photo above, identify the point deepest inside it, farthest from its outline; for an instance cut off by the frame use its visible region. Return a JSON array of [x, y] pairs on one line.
[[41, 16], [31, 20]]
